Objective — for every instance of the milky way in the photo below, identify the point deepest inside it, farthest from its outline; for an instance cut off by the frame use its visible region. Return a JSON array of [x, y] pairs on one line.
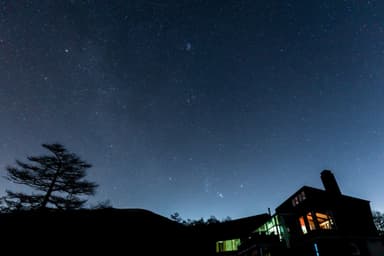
[[199, 107]]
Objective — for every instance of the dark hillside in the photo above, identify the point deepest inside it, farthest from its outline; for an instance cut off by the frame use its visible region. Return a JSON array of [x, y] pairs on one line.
[[106, 230]]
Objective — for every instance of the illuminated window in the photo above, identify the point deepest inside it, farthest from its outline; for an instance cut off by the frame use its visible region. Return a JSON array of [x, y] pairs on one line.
[[316, 220], [272, 227], [298, 198], [227, 245], [219, 246], [303, 197], [302, 225], [311, 222], [316, 249], [325, 221]]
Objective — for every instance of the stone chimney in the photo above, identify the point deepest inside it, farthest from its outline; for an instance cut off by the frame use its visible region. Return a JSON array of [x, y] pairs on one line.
[[330, 183]]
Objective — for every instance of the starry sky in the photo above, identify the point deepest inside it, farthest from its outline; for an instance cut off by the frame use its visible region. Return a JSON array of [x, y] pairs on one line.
[[200, 107]]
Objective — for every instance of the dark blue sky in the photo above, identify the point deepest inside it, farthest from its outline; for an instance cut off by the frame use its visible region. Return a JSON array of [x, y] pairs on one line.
[[199, 107]]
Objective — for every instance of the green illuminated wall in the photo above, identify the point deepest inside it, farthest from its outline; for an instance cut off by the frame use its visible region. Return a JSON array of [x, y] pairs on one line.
[[227, 245], [270, 227]]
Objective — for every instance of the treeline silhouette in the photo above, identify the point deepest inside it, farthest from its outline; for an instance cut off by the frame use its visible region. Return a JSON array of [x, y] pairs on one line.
[[378, 220], [200, 222]]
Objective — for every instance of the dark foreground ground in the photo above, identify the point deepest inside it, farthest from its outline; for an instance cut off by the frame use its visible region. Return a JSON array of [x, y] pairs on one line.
[[105, 231]]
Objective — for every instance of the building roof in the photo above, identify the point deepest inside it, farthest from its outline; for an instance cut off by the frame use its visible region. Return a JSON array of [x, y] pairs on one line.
[[237, 228], [320, 195]]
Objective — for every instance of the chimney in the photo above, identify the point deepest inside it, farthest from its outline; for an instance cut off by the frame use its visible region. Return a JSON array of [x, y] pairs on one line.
[[330, 183]]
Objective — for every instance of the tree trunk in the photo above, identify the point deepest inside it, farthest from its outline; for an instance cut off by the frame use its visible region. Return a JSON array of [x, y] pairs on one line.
[[43, 205]]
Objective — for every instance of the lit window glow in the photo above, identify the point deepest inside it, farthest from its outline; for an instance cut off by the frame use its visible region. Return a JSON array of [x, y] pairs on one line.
[[272, 227], [316, 220], [227, 245], [311, 222], [298, 198], [302, 225], [325, 221]]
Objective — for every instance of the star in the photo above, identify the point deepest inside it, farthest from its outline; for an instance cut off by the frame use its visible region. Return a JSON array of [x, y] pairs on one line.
[[188, 46]]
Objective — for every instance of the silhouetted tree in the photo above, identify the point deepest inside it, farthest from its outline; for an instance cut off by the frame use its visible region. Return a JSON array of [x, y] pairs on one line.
[[212, 220], [59, 177], [226, 219], [200, 222], [176, 217], [378, 219], [102, 205]]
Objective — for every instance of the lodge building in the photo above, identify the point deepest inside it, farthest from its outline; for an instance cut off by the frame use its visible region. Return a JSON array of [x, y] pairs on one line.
[[312, 222]]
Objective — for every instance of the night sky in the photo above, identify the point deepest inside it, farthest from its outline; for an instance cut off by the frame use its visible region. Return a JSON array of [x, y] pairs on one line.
[[200, 107]]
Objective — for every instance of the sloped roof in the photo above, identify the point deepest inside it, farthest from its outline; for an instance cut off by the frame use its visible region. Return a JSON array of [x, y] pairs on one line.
[[237, 228]]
